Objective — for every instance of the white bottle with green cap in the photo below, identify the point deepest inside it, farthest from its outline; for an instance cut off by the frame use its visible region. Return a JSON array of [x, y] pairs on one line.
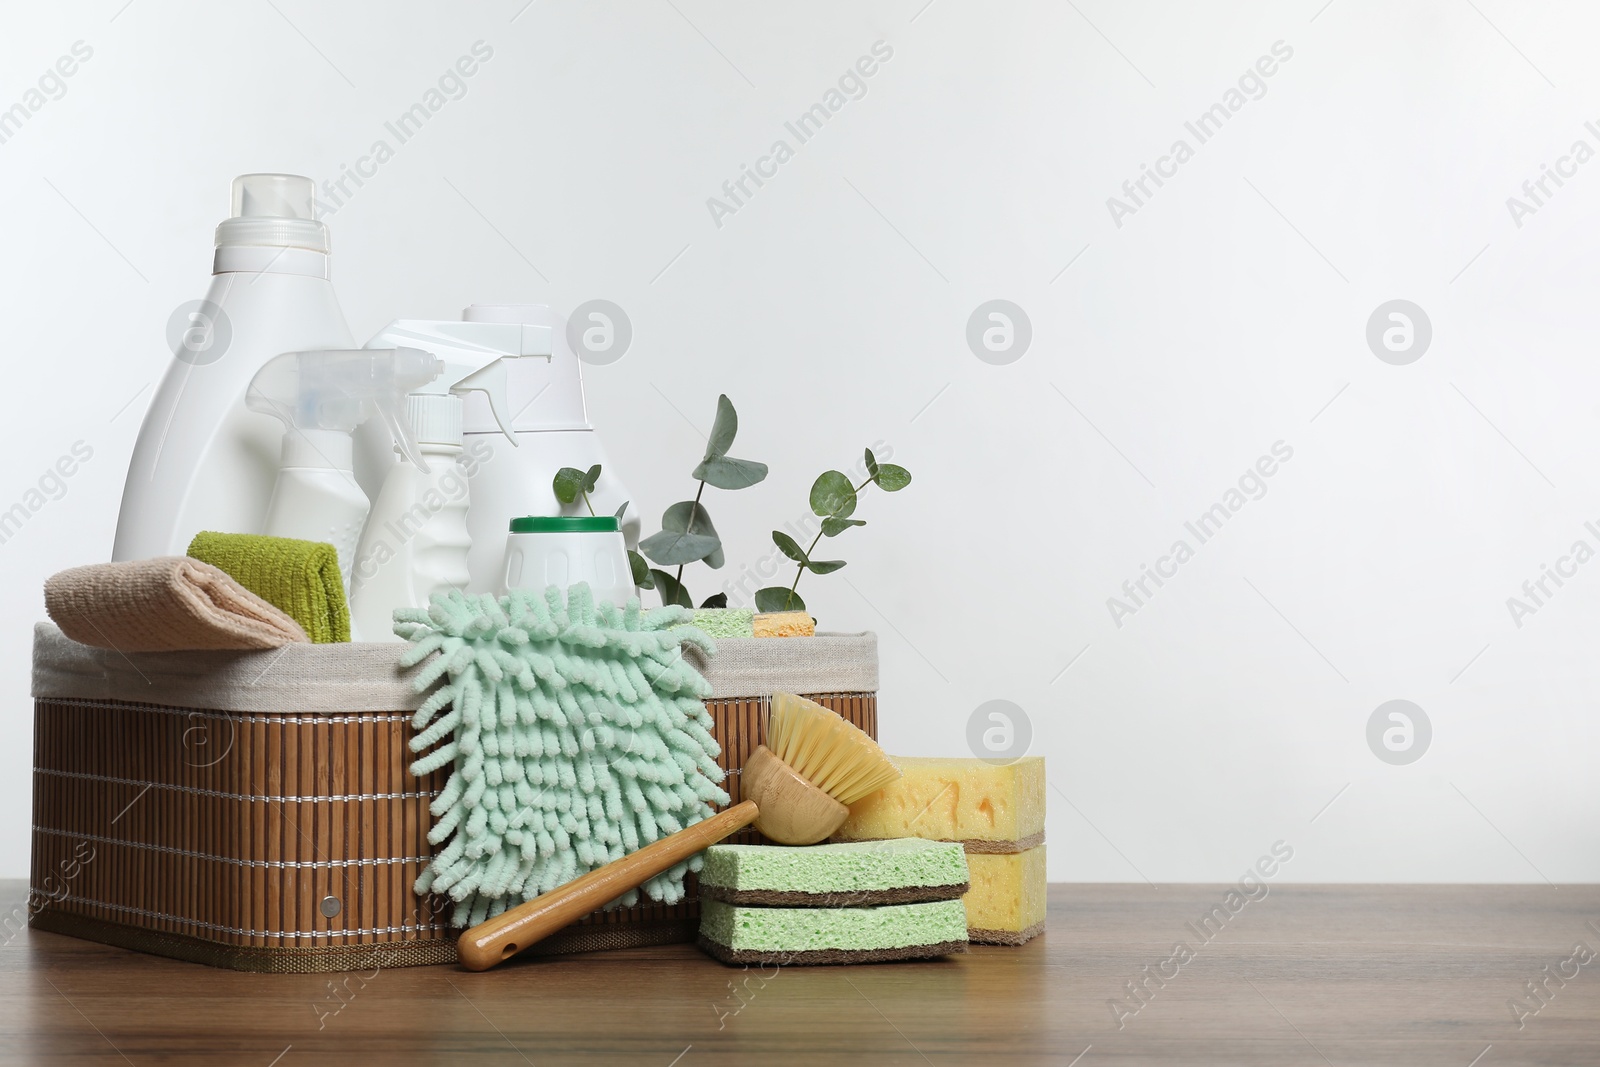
[[563, 550]]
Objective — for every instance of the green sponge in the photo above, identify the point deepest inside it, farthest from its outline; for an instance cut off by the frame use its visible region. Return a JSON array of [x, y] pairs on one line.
[[739, 933], [853, 873], [725, 622]]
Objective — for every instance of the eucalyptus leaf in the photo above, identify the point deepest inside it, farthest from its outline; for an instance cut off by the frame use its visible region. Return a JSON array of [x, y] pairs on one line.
[[591, 479], [778, 598], [672, 548], [833, 527], [641, 571], [671, 590], [892, 478], [568, 484], [833, 495], [686, 516], [725, 472], [823, 566], [788, 546], [622, 509], [723, 430], [720, 600], [872, 465]]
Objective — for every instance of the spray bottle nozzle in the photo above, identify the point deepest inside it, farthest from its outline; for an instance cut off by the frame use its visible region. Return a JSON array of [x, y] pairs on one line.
[[335, 390], [475, 356]]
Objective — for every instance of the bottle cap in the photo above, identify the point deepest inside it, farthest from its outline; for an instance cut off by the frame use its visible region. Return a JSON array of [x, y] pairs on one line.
[[435, 418], [274, 211], [564, 524]]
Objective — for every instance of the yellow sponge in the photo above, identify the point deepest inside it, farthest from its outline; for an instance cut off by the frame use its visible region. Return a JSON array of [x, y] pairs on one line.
[[784, 624], [987, 807], [1005, 905]]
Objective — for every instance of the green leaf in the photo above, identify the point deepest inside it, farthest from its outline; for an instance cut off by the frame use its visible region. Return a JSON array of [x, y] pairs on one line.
[[725, 472], [723, 430], [641, 570], [686, 516], [823, 566], [720, 600], [568, 483], [622, 509], [788, 546], [833, 527], [892, 478], [671, 548], [591, 479], [778, 598], [832, 494], [671, 590], [872, 465]]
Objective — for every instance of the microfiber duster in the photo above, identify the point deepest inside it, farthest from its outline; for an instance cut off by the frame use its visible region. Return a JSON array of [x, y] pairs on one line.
[[575, 733]]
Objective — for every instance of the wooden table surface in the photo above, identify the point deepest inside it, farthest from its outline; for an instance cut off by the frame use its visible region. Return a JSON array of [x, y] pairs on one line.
[[1335, 975]]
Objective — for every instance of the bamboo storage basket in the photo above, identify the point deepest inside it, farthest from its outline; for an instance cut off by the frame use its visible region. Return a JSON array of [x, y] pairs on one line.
[[255, 810]]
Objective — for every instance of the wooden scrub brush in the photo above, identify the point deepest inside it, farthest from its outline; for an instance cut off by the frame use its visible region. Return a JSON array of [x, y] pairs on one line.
[[814, 765], [795, 792]]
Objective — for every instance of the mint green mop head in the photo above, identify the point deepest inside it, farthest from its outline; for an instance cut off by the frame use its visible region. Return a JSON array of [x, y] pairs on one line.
[[575, 734]]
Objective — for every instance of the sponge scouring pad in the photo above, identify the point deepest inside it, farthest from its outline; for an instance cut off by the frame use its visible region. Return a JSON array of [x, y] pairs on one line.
[[1006, 903], [857, 873], [990, 807], [725, 622], [740, 933]]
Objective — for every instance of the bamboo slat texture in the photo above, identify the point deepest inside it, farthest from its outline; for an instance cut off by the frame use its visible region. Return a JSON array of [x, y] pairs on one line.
[[280, 842]]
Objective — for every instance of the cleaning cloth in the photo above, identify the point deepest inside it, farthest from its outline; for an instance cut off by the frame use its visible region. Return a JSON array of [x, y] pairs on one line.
[[300, 577], [167, 604], [574, 734], [725, 622]]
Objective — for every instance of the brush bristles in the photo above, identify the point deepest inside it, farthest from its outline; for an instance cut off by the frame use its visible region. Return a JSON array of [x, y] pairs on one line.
[[832, 754]]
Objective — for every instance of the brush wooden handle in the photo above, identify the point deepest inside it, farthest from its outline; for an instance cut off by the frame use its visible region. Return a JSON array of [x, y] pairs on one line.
[[511, 931]]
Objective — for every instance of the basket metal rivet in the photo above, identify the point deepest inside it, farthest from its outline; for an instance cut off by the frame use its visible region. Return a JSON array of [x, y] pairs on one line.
[[330, 906]]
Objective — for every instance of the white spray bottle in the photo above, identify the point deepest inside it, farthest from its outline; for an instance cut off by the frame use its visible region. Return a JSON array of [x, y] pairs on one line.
[[551, 424], [202, 460], [321, 397], [415, 542]]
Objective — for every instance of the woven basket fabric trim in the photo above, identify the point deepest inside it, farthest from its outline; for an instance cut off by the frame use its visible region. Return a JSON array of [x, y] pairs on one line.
[[367, 676], [761, 666], [243, 718]]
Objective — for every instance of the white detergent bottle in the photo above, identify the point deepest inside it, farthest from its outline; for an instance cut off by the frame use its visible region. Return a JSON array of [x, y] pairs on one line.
[[202, 460], [321, 397], [415, 541], [551, 426]]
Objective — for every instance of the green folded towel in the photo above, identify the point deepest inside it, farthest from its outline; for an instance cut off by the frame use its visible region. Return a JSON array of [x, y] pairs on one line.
[[726, 622], [298, 577]]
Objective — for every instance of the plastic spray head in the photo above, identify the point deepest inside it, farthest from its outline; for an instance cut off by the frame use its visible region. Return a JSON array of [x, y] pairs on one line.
[[475, 357], [329, 392]]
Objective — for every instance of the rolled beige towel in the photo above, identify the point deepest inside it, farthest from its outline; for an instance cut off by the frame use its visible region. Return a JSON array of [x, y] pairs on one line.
[[166, 604]]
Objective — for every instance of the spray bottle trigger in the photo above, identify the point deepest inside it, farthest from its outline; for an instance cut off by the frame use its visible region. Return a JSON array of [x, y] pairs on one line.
[[404, 438], [491, 382]]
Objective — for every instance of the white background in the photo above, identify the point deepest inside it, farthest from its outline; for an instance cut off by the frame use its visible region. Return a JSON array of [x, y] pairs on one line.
[[1229, 313]]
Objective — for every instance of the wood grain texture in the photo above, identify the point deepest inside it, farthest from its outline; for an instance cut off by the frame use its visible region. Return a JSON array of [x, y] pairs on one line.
[[493, 942], [794, 811], [1309, 975]]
